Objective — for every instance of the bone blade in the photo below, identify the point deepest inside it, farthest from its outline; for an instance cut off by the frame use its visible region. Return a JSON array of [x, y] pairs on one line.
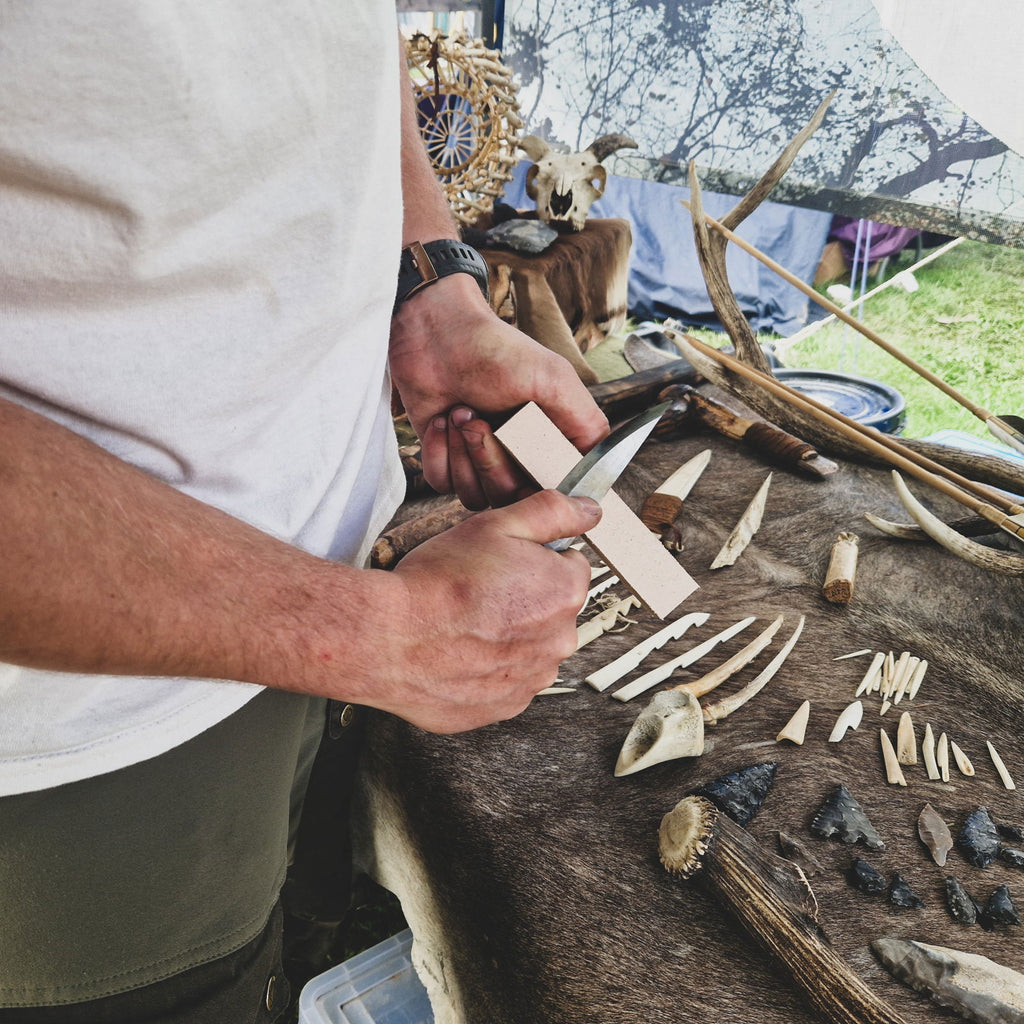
[[853, 654], [871, 676], [915, 683], [615, 670], [681, 482], [942, 757], [893, 771], [795, 729], [603, 621], [1000, 766], [904, 678], [662, 672], [727, 705], [928, 753], [849, 718], [714, 678], [743, 532], [977, 988], [898, 670], [906, 741], [963, 762]]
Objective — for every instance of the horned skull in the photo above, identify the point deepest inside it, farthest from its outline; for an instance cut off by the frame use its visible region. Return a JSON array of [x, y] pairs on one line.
[[564, 185]]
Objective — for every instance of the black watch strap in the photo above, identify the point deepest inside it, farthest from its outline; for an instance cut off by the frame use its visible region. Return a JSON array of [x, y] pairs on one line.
[[423, 264]]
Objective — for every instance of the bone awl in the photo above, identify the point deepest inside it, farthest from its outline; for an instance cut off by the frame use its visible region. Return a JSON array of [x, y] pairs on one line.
[[774, 443]]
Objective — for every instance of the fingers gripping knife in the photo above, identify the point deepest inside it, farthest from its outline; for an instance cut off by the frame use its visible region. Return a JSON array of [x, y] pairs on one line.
[[620, 538]]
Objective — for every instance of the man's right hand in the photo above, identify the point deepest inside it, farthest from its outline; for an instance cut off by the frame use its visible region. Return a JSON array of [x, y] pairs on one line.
[[489, 614]]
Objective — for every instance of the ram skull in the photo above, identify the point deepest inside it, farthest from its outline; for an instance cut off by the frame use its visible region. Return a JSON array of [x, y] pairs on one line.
[[564, 185]]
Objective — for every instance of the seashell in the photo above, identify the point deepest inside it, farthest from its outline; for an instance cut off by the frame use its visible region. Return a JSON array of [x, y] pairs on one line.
[[842, 816], [865, 878], [739, 794], [963, 908], [998, 909], [978, 840], [901, 895], [935, 834]]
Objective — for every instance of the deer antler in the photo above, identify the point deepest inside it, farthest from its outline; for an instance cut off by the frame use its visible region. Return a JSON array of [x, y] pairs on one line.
[[711, 248]]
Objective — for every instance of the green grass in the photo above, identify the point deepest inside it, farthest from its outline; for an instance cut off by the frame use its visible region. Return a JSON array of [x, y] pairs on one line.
[[965, 323]]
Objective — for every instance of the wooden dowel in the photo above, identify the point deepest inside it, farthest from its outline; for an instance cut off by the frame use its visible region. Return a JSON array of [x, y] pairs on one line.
[[890, 451], [841, 314]]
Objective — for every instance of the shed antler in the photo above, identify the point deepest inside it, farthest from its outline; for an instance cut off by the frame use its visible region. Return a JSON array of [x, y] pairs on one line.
[[772, 900], [755, 392]]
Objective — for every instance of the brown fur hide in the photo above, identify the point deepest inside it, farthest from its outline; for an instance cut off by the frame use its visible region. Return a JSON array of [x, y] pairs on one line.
[[530, 875]]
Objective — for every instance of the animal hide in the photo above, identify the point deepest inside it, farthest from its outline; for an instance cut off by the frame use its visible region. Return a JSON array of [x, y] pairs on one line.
[[530, 875]]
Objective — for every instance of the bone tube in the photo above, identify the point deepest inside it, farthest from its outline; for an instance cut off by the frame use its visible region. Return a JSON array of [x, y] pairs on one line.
[[842, 570], [771, 899]]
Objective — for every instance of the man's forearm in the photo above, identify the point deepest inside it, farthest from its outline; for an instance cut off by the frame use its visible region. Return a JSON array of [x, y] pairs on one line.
[[109, 570]]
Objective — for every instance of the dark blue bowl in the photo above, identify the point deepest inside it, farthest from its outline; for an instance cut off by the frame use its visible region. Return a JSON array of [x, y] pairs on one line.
[[869, 402]]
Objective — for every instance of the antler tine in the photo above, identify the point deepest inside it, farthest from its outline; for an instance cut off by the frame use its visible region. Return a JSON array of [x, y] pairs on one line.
[[753, 199], [711, 255], [711, 248]]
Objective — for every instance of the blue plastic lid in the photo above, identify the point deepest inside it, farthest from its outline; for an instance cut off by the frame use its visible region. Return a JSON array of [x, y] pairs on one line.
[[867, 401]]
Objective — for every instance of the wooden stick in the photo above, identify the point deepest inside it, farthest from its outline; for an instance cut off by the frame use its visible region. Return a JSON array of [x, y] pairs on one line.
[[874, 442], [771, 899], [983, 414]]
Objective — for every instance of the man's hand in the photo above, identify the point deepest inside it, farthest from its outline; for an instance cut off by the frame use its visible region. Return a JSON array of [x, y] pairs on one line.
[[459, 368], [482, 615]]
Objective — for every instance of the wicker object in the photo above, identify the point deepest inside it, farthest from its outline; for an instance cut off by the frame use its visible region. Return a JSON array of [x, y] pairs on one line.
[[468, 115]]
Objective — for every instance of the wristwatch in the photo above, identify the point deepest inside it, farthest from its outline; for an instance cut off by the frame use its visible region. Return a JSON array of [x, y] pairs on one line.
[[422, 264]]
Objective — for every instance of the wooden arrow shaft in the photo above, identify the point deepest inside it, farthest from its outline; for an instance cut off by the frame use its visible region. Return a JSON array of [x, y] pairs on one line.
[[878, 444], [841, 314]]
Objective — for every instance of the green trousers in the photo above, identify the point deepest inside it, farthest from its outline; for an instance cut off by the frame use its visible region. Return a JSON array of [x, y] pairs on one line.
[[157, 871]]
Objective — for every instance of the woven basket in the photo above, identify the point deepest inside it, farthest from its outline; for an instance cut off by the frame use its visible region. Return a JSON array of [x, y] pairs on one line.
[[469, 118]]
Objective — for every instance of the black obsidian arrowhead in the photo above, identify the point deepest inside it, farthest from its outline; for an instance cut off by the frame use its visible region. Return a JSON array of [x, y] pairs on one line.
[[962, 906], [741, 793], [841, 816], [901, 895], [999, 909], [979, 839], [864, 877]]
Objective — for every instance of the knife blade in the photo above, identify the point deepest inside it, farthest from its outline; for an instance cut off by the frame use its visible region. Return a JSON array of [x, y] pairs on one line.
[[594, 474]]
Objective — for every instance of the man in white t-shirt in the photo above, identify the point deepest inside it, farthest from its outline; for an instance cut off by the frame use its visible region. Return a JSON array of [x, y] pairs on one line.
[[202, 207]]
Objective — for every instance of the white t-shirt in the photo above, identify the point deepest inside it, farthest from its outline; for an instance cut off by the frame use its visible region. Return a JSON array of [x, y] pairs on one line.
[[200, 216]]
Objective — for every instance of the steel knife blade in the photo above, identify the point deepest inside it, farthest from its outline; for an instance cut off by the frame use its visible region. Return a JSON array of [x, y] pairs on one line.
[[595, 473]]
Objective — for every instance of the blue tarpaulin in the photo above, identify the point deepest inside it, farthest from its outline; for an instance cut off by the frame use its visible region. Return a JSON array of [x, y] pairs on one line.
[[665, 278]]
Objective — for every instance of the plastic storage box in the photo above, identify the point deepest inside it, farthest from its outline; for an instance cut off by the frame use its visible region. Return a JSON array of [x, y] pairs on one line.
[[378, 986]]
